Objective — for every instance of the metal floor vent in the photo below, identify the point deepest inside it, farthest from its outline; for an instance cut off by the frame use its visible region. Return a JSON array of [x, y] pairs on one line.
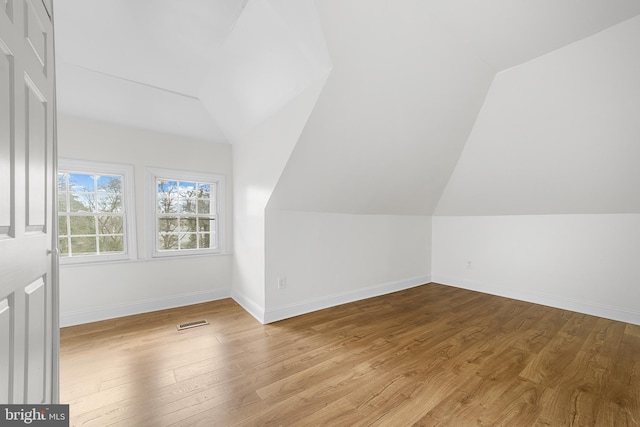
[[192, 324]]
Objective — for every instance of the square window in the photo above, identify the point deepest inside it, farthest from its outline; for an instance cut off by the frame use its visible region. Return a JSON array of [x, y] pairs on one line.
[[186, 212], [95, 211]]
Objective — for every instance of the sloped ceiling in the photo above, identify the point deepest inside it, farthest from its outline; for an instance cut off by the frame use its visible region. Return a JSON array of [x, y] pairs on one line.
[[275, 51], [210, 69], [557, 135], [408, 80], [140, 63], [505, 33]]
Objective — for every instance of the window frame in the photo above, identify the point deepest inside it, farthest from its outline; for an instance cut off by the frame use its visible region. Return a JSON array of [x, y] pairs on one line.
[[152, 175], [127, 172]]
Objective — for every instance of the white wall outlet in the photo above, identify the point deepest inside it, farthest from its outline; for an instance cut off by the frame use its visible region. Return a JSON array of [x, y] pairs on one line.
[[469, 264], [282, 282]]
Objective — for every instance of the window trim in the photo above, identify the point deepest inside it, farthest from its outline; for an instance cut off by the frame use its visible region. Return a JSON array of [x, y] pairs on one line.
[[128, 201], [152, 174]]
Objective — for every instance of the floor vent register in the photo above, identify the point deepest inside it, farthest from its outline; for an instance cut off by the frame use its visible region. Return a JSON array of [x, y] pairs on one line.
[[195, 324]]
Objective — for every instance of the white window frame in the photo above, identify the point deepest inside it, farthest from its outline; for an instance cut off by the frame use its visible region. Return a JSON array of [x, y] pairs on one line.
[[152, 174], [128, 203]]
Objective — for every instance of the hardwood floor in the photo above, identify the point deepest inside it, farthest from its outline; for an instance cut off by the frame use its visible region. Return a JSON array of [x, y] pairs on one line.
[[427, 356]]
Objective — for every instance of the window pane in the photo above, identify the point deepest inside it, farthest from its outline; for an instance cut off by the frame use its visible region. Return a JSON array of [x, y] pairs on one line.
[[167, 204], [62, 226], [82, 202], [204, 224], [167, 196], [83, 246], [63, 246], [167, 241], [187, 206], [110, 225], [188, 241], [167, 187], [82, 225], [187, 189], [62, 202], [167, 224], [204, 240], [62, 181], [79, 182], [204, 207], [188, 224], [111, 244], [204, 191], [109, 203], [109, 184]]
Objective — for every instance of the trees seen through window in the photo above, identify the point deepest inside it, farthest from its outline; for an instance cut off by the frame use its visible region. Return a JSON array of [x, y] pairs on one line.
[[186, 215], [90, 214]]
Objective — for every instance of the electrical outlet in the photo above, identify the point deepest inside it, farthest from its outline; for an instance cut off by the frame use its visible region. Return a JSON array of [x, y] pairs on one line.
[[282, 282], [469, 264]]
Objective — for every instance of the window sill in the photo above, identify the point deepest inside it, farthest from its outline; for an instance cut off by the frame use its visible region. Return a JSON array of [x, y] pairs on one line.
[[138, 260]]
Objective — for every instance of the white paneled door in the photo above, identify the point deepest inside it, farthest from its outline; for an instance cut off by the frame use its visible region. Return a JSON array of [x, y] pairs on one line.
[[28, 264]]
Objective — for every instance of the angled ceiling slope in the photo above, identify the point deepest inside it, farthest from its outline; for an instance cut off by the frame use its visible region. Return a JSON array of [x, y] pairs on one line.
[[557, 135], [408, 81], [275, 51], [199, 68]]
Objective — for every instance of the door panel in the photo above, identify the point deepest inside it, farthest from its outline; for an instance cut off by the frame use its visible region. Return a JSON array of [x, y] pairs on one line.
[[36, 341], [34, 33], [28, 267], [6, 101], [36, 127], [6, 351], [8, 7]]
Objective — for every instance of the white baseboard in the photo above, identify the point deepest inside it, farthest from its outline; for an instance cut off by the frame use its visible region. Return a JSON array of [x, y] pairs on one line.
[[249, 305], [570, 304], [138, 307], [310, 305], [262, 315]]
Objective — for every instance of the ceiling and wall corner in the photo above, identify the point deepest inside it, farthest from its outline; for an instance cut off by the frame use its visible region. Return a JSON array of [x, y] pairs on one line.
[[275, 51], [258, 161], [393, 117], [557, 135], [140, 63], [408, 81], [214, 70]]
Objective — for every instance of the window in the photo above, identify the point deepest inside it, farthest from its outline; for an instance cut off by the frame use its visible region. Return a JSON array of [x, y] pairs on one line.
[[186, 210], [95, 211]]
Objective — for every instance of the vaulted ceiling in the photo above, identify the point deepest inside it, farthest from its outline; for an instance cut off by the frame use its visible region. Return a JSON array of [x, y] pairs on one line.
[[407, 79], [210, 69], [146, 62]]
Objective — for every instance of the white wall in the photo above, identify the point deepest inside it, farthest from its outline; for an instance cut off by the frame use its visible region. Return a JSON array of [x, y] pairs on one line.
[[258, 161], [349, 216], [330, 259], [584, 263], [99, 291], [545, 199]]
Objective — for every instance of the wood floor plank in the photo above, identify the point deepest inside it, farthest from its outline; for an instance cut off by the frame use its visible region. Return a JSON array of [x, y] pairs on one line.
[[431, 355], [548, 366]]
